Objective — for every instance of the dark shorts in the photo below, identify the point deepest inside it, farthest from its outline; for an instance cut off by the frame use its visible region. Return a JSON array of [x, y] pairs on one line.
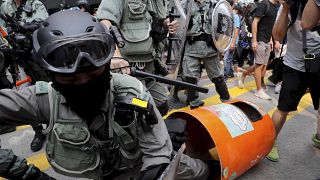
[[294, 86]]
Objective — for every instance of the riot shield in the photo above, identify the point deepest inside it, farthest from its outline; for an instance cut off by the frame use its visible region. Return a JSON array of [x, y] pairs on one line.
[[222, 25]]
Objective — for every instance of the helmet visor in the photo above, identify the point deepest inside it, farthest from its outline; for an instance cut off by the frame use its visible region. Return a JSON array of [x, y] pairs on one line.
[[77, 53]]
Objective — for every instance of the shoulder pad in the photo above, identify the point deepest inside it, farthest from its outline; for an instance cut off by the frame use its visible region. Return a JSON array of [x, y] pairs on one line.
[[41, 87]]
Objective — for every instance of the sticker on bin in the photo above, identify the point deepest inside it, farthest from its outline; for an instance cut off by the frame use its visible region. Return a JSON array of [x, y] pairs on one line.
[[233, 118]]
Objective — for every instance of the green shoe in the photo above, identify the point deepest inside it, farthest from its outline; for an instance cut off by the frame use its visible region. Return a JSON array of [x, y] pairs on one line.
[[273, 154], [316, 141]]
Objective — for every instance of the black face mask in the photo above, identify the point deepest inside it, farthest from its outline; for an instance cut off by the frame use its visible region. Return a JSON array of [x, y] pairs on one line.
[[86, 99]]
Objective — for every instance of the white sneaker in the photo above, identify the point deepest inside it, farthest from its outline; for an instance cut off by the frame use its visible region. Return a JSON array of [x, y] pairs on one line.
[[277, 89], [241, 79], [261, 94]]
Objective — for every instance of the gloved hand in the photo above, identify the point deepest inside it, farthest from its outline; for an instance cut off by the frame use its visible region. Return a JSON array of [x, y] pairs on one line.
[[34, 173]]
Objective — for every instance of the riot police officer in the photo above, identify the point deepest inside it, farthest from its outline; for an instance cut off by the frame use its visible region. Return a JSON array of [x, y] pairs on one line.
[[143, 25], [100, 124], [200, 47], [29, 11]]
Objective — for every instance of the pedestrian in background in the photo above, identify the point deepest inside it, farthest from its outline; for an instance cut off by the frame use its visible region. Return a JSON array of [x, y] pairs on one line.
[[228, 55], [262, 44]]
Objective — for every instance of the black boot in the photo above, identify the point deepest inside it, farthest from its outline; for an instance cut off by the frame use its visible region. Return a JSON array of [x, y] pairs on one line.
[[177, 89], [193, 97], [38, 139], [175, 93], [6, 129], [196, 103]]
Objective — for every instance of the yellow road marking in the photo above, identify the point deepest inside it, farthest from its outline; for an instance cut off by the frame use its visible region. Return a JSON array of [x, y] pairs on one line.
[[40, 161], [19, 128], [234, 92]]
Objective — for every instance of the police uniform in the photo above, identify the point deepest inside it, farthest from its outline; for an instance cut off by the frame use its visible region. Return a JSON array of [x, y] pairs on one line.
[[9, 163], [34, 11], [199, 48], [39, 12], [114, 148], [140, 48]]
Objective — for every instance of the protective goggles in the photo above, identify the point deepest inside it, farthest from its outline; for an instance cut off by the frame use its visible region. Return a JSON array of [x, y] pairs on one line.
[[67, 55]]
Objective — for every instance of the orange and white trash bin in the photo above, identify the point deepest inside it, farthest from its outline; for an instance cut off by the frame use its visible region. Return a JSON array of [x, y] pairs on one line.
[[238, 134]]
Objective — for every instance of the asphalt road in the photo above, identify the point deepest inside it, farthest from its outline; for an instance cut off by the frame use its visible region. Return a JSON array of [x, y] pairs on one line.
[[298, 158]]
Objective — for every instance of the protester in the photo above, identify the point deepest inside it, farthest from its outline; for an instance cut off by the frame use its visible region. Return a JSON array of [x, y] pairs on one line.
[[295, 80]]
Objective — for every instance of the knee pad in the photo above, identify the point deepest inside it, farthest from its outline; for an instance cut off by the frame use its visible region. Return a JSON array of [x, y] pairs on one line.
[[191, 80], [218, 80], [221, 88]]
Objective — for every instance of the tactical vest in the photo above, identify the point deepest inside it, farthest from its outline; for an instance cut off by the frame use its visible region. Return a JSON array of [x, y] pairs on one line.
[[200, 20], [135, 27], [73, 151]]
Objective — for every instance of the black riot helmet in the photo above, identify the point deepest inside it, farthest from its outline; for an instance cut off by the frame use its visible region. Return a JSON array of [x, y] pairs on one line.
[[85, 4], [68, 41]]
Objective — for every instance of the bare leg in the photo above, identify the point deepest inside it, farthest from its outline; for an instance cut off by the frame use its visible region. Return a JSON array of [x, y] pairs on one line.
[[264, 70], [257, 75], [249, 70], [243, 75], [279, 118]]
